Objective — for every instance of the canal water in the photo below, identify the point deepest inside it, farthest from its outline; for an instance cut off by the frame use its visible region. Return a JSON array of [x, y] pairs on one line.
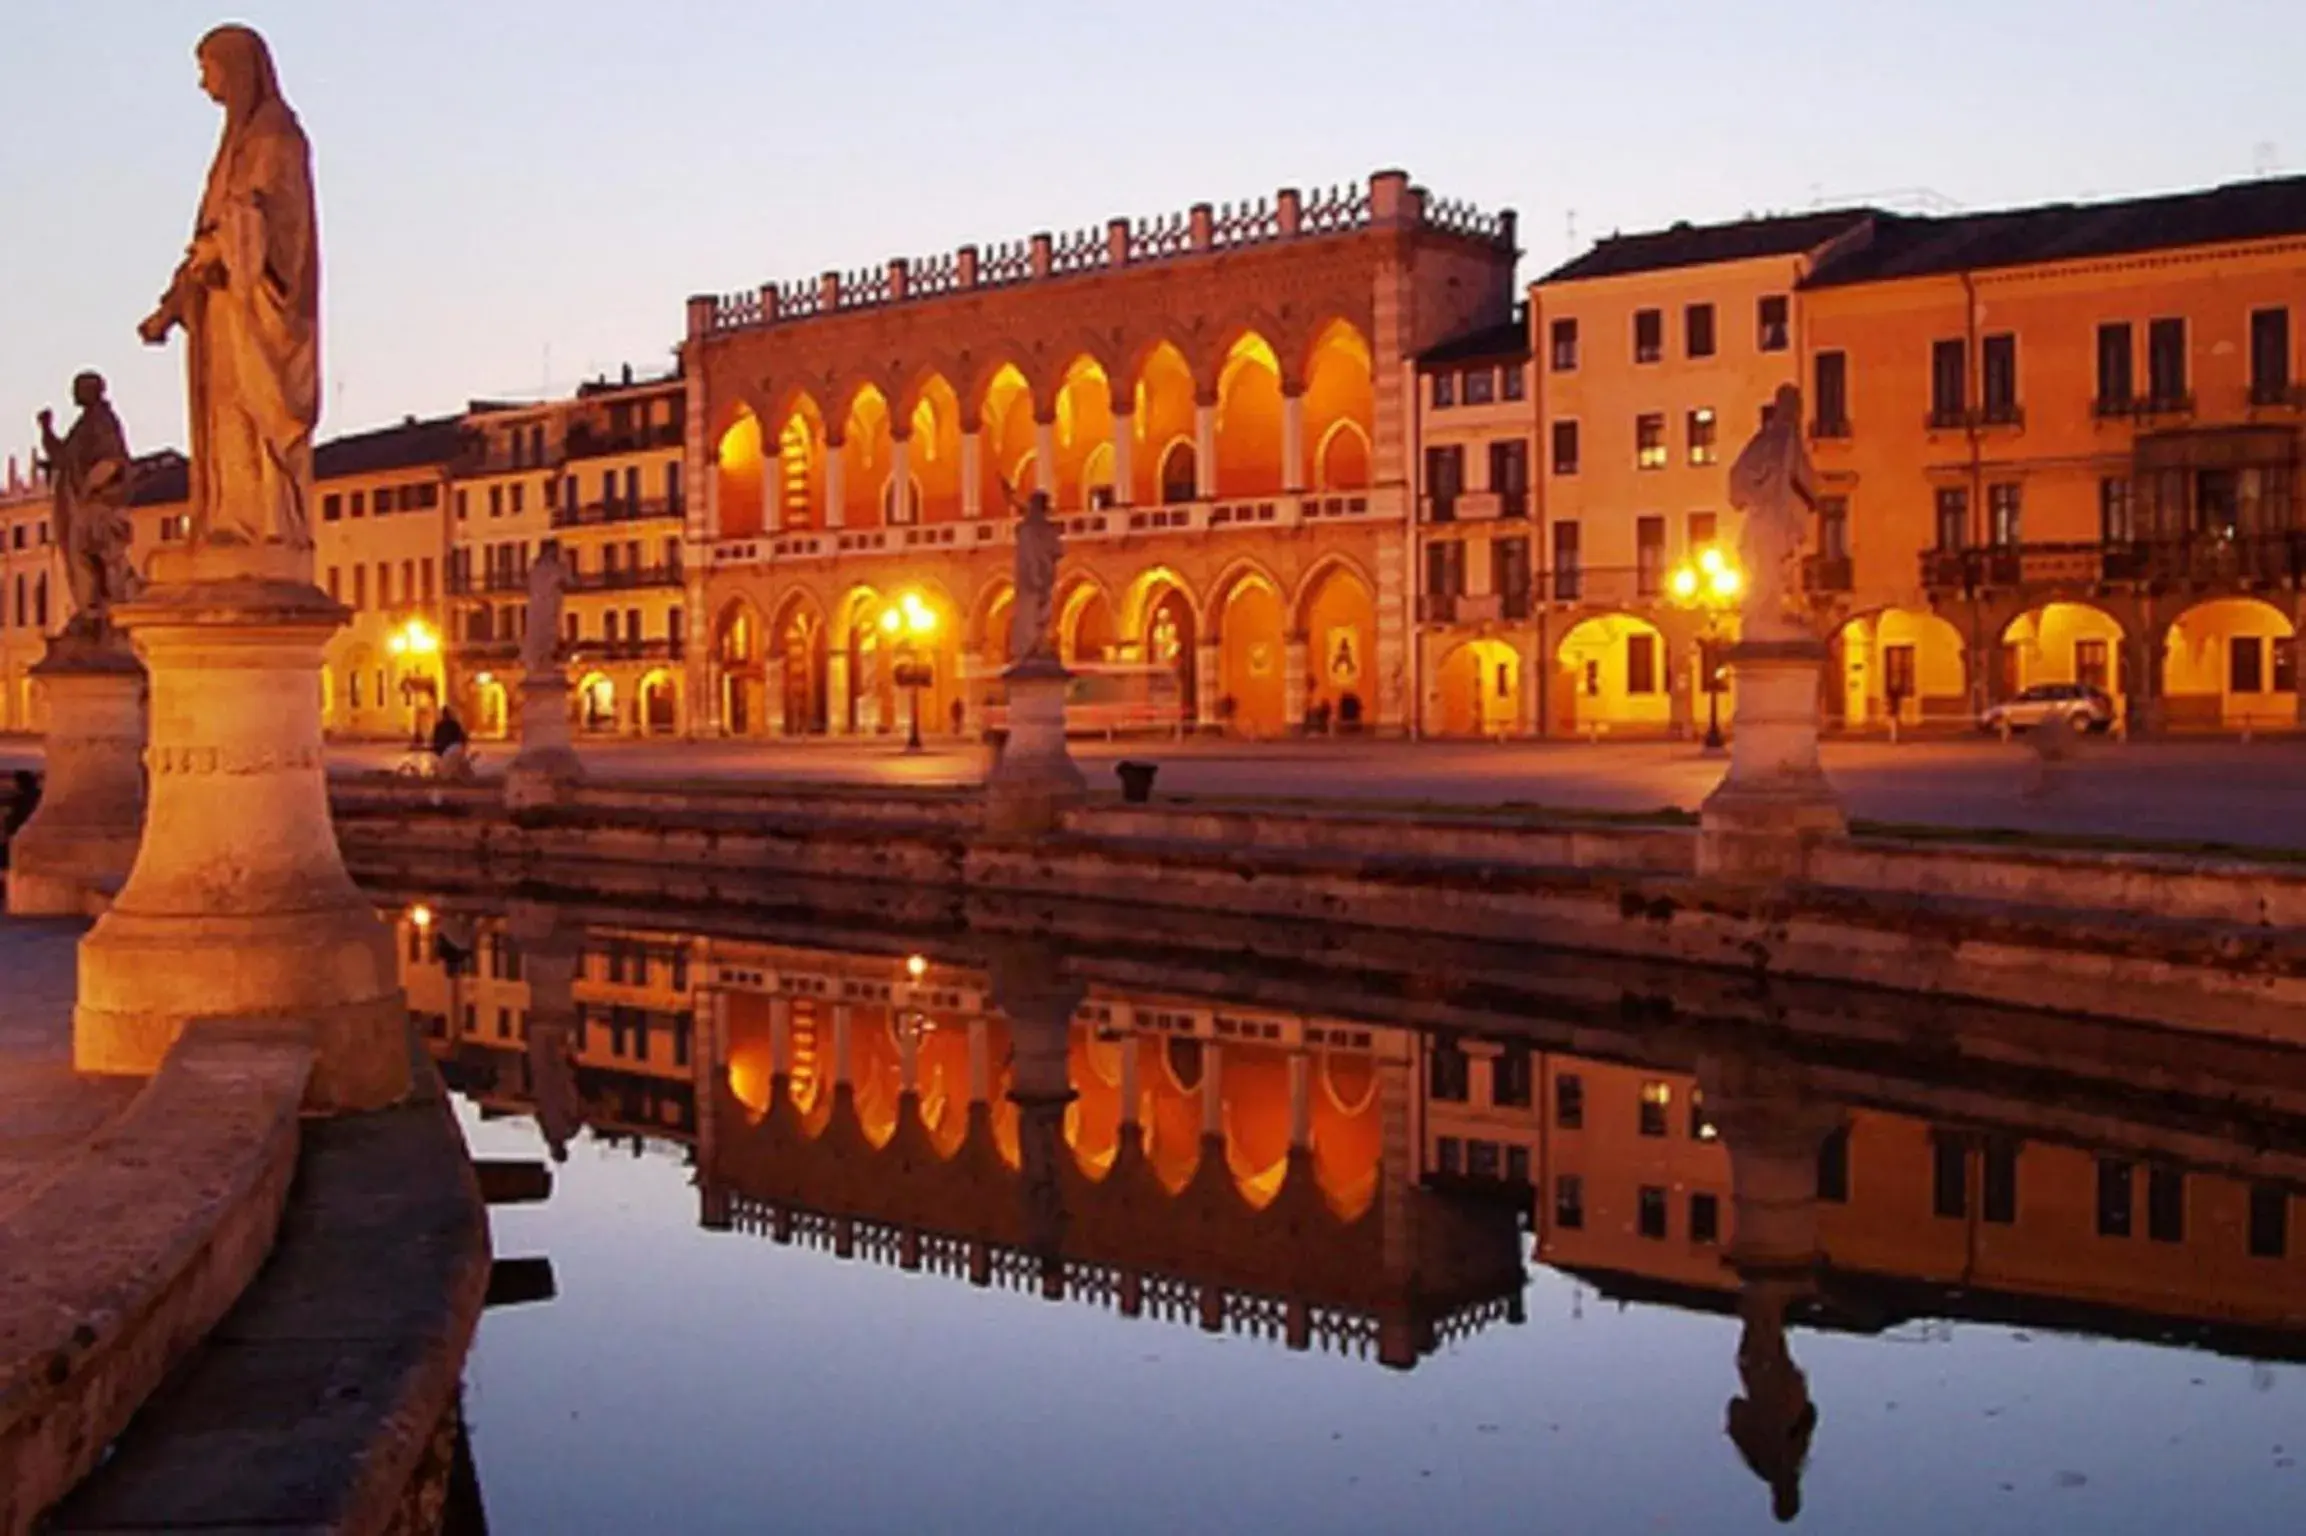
[[852, 1233]]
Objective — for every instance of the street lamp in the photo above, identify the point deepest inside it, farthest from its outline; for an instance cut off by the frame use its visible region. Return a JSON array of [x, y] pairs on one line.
[[1713, 586], [412, 642], [909, 622]]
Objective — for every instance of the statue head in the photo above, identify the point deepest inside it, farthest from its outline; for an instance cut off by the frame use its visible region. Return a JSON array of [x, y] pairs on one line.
[[88, 390], [1786, 406], [236, 71]]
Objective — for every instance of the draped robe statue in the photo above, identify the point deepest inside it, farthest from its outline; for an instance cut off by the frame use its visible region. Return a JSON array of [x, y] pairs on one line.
[[90, 471], [547, 582], [1039, 543], [248, 297], [1773, 484]]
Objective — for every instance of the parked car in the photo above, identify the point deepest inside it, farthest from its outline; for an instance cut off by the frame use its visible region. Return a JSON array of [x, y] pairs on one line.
[[2077, 705]]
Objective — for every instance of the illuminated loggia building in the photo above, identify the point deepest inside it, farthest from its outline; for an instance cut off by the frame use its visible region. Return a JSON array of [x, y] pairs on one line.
[[31, 580], [1217, 404]]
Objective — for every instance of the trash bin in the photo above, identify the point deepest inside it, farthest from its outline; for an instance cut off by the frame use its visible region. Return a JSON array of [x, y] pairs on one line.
[[1136, 780]]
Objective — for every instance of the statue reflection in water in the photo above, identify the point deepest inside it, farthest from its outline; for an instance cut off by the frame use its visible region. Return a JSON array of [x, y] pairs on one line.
[[1773, 1128]]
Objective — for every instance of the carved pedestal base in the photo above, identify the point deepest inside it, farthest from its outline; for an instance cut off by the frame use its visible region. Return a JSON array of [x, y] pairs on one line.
[[546, 765], [239, 906], [76, 851], [1035, 777], [1775, 803]]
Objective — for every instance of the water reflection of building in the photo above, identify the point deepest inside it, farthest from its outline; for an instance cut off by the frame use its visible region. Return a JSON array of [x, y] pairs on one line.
[[1325, 1180]]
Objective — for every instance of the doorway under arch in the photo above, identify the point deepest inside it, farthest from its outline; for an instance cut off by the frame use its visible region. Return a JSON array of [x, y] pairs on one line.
[[1478, 690]]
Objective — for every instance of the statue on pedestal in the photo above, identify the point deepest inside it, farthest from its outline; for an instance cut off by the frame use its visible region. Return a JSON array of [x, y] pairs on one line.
[[1039, 544], [89, 471], [247, 294], [547, 585], [1773, 484]]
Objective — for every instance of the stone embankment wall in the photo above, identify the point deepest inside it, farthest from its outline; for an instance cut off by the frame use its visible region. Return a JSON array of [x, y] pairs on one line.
[[2182, 943]]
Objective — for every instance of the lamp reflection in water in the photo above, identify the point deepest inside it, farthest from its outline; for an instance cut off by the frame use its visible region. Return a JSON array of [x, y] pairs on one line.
[[1714, 586], [909, 622]]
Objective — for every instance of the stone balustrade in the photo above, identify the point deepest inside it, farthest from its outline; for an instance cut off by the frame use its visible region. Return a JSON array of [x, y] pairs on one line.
[[1292, 509], [1386, 199]]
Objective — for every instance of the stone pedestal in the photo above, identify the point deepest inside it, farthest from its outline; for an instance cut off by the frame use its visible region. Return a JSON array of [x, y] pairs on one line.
[[238, 906], [1035, 777], [1775, 803], [546, 766], [76, 851]]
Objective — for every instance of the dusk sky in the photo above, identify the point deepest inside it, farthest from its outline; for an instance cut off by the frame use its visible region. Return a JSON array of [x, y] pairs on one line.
[[518, 195]]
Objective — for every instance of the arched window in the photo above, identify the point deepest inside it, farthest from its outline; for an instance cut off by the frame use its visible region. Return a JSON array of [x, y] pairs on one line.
[[1180, 473]]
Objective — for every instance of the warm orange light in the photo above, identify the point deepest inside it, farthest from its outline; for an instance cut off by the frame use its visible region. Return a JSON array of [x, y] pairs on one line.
[[916, 966], [421, 915], [1684, 583], [890, 620]]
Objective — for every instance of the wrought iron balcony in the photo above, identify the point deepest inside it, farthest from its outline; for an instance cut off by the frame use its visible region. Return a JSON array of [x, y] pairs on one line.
[[1826, 573], [626, 578], [592, 513], [476, 583], [588, 442], [654, 648]]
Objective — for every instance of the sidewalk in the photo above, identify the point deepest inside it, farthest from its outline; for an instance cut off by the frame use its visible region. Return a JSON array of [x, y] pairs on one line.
[[44, 1108]]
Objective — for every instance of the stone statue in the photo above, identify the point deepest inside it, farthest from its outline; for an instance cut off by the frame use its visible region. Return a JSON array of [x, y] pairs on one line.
[[547, 582], [248, 297], [1773, 484], [91, 475], [1039, 543], [1772, 1422]]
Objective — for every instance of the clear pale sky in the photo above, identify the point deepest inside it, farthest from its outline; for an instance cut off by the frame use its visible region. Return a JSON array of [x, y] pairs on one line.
[[505, 179]]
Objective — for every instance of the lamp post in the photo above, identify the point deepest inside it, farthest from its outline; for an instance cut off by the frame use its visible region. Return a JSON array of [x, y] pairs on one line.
[[412, 642], [909, 622], [1712, 585]]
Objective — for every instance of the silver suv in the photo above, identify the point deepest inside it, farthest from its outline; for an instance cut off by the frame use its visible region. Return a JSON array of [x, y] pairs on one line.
[[2077, 705]]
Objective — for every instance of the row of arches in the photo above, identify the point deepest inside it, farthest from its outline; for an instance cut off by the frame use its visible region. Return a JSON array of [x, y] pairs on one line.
[[2224, 662], [1250, 656], [1176, 1080], [874, 455]]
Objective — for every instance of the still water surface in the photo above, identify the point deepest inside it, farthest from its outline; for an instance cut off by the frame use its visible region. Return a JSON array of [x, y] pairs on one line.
[[1004, 1245]]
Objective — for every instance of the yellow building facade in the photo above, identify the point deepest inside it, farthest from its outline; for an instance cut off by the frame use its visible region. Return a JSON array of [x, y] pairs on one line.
[[2063, 445], [380, 547]]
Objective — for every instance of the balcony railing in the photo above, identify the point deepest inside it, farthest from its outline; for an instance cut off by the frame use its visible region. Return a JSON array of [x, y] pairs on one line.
[[626, 578], [1947, 418], [596, 512], [1826, 573], [2270, 559], [1472, 607], [2276, 393], [1829, 427], [1441, 507], [2141, 407], [657, 648], [486, 648], [2002, 413], [585, 442], [1513, 504], [475, 583]]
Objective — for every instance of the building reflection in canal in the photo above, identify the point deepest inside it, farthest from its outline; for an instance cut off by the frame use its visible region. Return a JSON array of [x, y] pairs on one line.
[[1330, 1182]]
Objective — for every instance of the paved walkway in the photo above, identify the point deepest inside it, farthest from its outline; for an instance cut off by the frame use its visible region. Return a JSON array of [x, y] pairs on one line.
[[44, 1108], [2184, 789]]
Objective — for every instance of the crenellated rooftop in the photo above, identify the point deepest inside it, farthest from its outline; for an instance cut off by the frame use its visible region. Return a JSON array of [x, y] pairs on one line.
[[1387, 200]]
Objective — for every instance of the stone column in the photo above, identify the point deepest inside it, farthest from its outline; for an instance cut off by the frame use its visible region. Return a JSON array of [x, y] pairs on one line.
[[550, 954], [547, 766], [1029, 986], [900, 479], [1773, 1128], [1300, 1100], [1293, 678], [1124, 458], [1208, 682], [81, 842], [238, 905], [972, 473], [836, 484], [1205, 447], [1775, 803], [1293, 476], [1045, 457]]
